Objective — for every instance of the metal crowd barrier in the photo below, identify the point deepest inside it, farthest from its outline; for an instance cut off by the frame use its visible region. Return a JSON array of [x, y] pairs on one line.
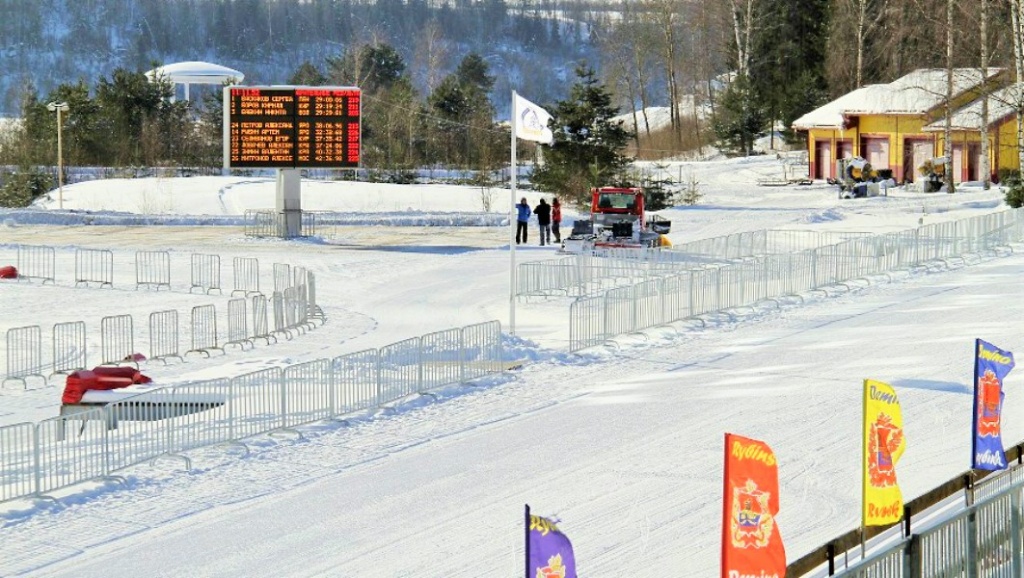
[[69, 349], [37, 263], [164, 340], [93, 443], [24, 354], [153, 269], [205, 273], [238, 324], [983, 540], [204, 330], [246, 274], [650, 302], [272, 223], [117, 339], [94, 266]]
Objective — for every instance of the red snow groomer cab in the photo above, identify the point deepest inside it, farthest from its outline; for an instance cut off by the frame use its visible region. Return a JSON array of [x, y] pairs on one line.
[[617, 221]]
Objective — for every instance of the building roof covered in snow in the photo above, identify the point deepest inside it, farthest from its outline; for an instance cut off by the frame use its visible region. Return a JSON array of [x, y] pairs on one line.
[[914, 94], [1002, 104]]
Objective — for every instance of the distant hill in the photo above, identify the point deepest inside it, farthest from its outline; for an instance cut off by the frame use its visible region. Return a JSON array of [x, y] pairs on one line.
[[528, 46]]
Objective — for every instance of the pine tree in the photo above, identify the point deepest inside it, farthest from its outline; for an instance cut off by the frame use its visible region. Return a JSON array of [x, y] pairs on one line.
[[586, 151]]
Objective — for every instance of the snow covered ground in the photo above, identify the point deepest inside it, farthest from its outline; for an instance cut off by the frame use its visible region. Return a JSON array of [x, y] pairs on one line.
[[623, 443]]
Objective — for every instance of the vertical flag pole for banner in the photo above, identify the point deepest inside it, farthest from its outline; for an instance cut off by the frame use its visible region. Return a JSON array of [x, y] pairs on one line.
[[527, 526], [512, 229], [863, 468]]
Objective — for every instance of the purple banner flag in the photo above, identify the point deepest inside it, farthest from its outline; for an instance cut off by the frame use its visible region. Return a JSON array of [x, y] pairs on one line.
[[549, 550], [991, 365]]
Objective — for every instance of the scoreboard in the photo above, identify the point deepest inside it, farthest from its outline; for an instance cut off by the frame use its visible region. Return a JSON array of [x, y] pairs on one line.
[[291, 127]]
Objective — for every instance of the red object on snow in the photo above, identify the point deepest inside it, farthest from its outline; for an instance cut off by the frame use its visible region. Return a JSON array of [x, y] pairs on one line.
[[100, 378], [8, 272]]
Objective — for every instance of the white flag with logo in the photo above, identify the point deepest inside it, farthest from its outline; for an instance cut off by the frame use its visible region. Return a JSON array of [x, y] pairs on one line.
[[531, 121]]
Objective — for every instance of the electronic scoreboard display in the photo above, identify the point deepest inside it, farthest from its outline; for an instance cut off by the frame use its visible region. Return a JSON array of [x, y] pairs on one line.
[[289, 127]]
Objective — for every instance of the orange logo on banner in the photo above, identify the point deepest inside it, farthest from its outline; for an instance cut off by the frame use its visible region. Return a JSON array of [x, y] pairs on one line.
[[885, 440], [751, 543]]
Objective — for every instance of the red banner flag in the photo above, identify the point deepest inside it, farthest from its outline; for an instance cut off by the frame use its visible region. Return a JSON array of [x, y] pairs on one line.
[[751, 542]]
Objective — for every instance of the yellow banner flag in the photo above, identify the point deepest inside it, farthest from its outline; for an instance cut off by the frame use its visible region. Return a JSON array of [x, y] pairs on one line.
[[883, 446]]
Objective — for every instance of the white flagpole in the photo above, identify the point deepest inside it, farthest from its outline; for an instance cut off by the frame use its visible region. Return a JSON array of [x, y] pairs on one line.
[[512, 218]]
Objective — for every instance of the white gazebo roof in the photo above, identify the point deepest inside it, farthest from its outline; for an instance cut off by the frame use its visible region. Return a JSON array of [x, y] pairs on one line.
[[196, 73]]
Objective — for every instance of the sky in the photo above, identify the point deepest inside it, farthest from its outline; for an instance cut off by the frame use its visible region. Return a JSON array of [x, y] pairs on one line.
[[622, 443]]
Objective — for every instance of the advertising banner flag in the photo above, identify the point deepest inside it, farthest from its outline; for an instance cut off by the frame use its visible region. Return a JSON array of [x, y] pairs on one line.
[[991, 365], [751, 542], [883, 446], [549, 551], [531, 121]]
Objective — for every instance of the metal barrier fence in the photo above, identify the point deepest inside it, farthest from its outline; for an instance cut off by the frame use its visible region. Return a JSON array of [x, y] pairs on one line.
[[650, 302], [579, 275], [153, 269], [238, 324], [37, 263], [24, 354], [204, 330], [205, 271], [983, 540], [164, 340], [117, 338], [282, 276], [69, 352], [246, 275], [92, 443], [271, 223], [94, 266]]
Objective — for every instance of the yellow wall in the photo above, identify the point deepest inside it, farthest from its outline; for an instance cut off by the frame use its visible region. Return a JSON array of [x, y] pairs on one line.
[[1008, 157]]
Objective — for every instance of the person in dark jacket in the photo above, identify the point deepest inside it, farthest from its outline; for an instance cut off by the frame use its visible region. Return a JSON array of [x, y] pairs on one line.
[[556, 219], [543, 212], [522, 217]]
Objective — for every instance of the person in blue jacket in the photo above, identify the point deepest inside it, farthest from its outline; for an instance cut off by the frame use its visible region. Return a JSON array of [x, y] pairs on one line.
[[522, 217]]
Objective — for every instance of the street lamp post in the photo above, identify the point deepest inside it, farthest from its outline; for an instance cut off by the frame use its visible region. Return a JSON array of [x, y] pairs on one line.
[[59, 107]]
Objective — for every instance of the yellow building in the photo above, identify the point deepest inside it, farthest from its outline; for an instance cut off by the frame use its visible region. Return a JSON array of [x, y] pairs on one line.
[[886, 123], [966, 135]]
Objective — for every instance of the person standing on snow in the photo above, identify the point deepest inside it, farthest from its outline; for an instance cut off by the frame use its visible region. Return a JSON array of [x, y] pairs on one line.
[[556, 219], [522, 217], [543, 212]]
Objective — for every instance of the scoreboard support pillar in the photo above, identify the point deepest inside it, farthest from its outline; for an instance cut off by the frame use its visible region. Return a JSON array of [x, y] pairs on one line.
[[289, 202]]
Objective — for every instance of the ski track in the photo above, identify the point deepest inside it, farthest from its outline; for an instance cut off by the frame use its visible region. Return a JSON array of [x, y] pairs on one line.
[[666, 399]]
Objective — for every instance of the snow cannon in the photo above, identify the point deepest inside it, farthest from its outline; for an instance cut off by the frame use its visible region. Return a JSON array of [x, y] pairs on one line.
[[859, 169]]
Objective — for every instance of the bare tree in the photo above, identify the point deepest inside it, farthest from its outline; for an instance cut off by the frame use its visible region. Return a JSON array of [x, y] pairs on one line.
[[743, 27], [666, 16], [948, 105], [983, 31], [432, 55]]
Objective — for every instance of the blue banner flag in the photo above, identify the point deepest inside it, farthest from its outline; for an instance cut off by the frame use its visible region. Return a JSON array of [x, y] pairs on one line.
[[549, 551], [991, 365]]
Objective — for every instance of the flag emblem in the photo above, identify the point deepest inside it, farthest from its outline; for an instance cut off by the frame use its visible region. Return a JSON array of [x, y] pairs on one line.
[[752, 522], [989, 402], [554, 569], [885, 439]]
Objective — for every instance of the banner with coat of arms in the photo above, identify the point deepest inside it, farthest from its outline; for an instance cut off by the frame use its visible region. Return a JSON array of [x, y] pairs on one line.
[[883, 446], [548, 551], [991, 365], [751, 542]]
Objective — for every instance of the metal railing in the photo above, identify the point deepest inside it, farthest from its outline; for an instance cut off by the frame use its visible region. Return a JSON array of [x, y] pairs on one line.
[[647, 302], [89, 443], [117, 339]]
